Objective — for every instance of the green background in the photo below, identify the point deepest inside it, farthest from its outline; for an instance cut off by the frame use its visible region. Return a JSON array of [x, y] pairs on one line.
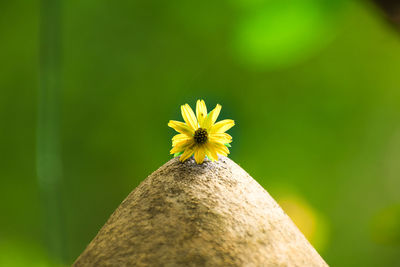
[[313, 86]]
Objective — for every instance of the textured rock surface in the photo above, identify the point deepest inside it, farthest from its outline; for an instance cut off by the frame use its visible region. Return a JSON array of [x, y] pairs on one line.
[[212, 214]]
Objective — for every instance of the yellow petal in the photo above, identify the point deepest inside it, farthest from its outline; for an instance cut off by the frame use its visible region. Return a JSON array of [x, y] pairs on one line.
[[187, 154], [181, 127], [199, 154], [180, 146], [212, 117], [189, 117], [176, 149], [180, 137], [222, 126], [222, 138], [211, 152], [221, 151], [201, 112], [220, 148]]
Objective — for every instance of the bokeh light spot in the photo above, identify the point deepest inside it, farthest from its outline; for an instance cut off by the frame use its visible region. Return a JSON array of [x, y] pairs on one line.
[[274, 34], [311, 223], [22, 253]]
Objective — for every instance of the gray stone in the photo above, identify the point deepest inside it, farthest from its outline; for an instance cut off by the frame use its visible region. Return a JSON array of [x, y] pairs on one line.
[[212, 214]]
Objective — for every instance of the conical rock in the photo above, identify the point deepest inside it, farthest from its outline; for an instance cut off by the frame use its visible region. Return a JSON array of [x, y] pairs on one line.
[[213, 214]]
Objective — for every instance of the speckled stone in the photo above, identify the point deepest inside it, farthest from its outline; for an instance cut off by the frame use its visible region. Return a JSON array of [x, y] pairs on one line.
[[212, 214]]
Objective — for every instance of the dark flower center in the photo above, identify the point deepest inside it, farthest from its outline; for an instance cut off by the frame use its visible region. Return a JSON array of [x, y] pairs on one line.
[[200, 136]]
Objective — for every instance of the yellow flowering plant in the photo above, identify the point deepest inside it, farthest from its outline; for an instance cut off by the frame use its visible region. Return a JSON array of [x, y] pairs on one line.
[[200, 135]]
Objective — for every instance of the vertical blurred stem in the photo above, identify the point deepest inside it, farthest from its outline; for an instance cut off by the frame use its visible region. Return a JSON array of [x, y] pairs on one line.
[[48, 129]]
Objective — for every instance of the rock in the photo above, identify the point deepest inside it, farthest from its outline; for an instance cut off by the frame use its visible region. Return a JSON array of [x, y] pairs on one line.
[[212, 214]]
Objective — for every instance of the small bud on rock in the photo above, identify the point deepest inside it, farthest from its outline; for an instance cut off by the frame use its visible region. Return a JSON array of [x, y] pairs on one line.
[[213, 214]]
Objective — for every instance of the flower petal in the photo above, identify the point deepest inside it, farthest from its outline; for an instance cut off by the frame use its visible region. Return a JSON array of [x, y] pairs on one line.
[[199, 154], [181, 127], [211, 152], [180, 146], [176, 149], [222, 126], [187, 154], [222, 138], [223, 152], [221, 149], [189, 117], [212, 117], [201, 112], [218, 147], [180, 137]]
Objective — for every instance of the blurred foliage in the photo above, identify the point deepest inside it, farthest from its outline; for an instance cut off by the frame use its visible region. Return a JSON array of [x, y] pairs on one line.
[[313, 86], [385, 226]]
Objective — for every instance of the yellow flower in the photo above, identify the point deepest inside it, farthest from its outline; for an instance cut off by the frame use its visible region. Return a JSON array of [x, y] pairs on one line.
[[201, 136]]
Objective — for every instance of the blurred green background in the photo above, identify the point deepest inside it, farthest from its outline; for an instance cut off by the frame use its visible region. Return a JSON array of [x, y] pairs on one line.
[[87, 89]]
